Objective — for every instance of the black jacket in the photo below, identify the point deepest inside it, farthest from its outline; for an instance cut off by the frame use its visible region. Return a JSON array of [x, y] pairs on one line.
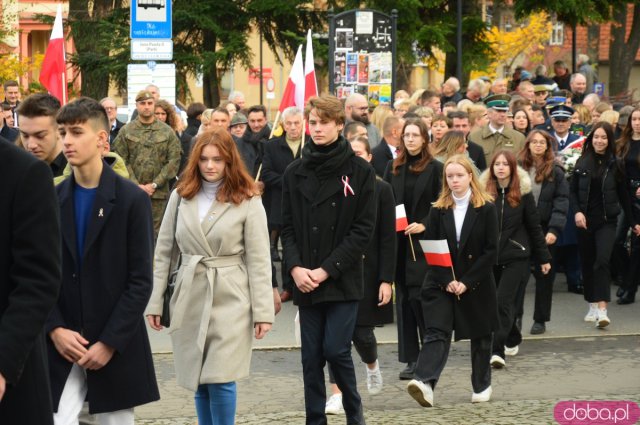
[[104, 299], [379, 259], [553, 202], [613, 192], [426, 191], [324, 228], [113, 132], [476, 312], [29, 283], [381, 157], [275, 160], [11, 134], [476, 153], [520, 234]]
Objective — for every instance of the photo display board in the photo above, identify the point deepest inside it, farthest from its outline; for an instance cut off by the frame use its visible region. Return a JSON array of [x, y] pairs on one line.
[[362, 55]]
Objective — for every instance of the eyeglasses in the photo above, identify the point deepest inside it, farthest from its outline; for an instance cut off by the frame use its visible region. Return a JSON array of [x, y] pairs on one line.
[[109, 108], [364, 108]]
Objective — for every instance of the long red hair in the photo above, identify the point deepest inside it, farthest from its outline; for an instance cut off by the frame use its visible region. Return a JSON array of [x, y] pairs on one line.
[[514, 195], [237, 185]]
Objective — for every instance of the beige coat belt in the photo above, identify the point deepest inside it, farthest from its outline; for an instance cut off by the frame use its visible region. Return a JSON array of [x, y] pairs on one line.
[[190, 263]]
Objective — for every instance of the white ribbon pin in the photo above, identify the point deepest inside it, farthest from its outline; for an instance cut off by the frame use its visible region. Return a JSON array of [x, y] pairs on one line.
[[347, 188]]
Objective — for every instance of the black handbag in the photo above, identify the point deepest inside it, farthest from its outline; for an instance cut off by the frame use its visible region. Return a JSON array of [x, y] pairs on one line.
[[165, 318]]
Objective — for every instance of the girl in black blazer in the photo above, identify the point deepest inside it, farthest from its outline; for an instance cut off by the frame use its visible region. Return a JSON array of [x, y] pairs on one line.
[[465, 301], [551, 192], [520, 239], [596, 194], [415, 177]]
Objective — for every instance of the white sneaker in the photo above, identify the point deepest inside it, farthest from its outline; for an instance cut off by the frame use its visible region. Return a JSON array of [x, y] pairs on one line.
[[334, 405], [483, 396], [374, 380], [421, 392], [592, 315], [511, 351], [497, 362], [603, 320]]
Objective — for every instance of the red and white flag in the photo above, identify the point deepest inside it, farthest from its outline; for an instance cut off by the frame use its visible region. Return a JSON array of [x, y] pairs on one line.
[[294, 91], [401, 218], [53, 74], [310, 83], [437, 253]]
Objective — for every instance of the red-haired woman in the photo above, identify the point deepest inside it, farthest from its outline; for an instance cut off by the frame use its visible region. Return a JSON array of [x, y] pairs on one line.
[[416, 179], [223, 289], [520, 238], [551, 192]]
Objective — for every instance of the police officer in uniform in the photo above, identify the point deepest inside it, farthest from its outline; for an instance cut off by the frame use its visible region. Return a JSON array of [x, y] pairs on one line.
[[151, 150], [495, 136]]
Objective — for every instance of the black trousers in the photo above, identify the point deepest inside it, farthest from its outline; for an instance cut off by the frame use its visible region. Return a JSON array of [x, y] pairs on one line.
[[633, 272], [544, 289], [366, 345], [326, 330], [595, 245], [410, 322], [508, 282], [435, 352]]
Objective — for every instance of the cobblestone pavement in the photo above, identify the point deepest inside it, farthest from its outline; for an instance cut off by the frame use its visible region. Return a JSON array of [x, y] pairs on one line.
[[525, 392]]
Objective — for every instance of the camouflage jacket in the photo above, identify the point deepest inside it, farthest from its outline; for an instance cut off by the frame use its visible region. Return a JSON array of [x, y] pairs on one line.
[[151, 152]]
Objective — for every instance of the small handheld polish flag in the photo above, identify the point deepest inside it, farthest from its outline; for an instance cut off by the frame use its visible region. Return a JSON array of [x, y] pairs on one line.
[[437, 253], [401, 218]]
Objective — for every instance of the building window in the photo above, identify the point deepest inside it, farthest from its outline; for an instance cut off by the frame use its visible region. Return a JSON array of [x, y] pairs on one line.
[[557, 34]]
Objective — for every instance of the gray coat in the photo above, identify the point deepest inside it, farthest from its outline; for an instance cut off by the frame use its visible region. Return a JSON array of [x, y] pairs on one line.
[[223, 287]]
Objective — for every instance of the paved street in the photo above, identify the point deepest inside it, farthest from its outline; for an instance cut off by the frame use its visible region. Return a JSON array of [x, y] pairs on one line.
[[571, 361]]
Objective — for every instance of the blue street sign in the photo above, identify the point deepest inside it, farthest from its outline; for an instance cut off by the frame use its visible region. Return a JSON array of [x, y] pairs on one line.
[[151, 19]]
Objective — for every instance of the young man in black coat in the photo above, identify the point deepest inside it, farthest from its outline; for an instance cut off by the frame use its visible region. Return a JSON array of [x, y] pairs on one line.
[[98, 344], [328, 216], [29, 284]]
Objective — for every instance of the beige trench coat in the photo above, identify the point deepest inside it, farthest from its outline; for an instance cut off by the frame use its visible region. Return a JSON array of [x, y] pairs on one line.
[[223, 287]]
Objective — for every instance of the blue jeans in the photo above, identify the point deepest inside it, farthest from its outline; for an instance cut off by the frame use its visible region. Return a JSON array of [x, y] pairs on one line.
[[216, 404]]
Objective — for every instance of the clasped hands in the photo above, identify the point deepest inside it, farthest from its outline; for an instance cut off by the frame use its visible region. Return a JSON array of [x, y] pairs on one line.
[[73, 347], [308, 280], [456, 288]]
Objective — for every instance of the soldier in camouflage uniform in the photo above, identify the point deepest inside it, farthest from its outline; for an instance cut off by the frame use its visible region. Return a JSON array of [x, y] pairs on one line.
[[151, 150]]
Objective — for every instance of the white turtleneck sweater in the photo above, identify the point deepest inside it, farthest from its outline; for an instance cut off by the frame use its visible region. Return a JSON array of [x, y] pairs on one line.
[[206, 196], [460, 210]]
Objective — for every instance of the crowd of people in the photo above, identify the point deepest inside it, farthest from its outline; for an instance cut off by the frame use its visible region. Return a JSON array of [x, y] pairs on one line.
[[536, 175]]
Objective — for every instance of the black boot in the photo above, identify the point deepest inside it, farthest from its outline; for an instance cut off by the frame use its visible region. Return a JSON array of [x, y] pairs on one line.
[[627, 298], [408, 371]]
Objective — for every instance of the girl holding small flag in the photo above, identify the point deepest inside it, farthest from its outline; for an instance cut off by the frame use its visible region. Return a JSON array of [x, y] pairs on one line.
[[520, 239], [415, 177], [459, 291]]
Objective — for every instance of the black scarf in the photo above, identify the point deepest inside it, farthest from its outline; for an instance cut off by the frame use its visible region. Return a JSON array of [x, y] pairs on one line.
[[255, 138], [326, 160]]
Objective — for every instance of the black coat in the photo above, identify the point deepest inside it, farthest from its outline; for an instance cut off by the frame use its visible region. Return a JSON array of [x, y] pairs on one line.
[[276, 158], [106, 297], [324, 228], [381, 157], [614, 194], [520, 233], [476, 153], [113, 132], [29, 283], [553, 202], [426, 191], [11, 134], [475, 314], [379, 259]]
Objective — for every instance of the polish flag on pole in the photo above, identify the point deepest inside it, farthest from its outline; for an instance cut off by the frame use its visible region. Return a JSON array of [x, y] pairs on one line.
[[310, 84], [294, 91], [401, 218], [437, 253], [53, 74]]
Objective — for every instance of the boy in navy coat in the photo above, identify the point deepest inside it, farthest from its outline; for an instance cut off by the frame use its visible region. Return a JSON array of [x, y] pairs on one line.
[[98, 345]]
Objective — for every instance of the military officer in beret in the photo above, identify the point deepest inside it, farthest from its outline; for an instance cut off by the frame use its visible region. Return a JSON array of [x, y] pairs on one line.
[[495, 136], [151, 150]]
